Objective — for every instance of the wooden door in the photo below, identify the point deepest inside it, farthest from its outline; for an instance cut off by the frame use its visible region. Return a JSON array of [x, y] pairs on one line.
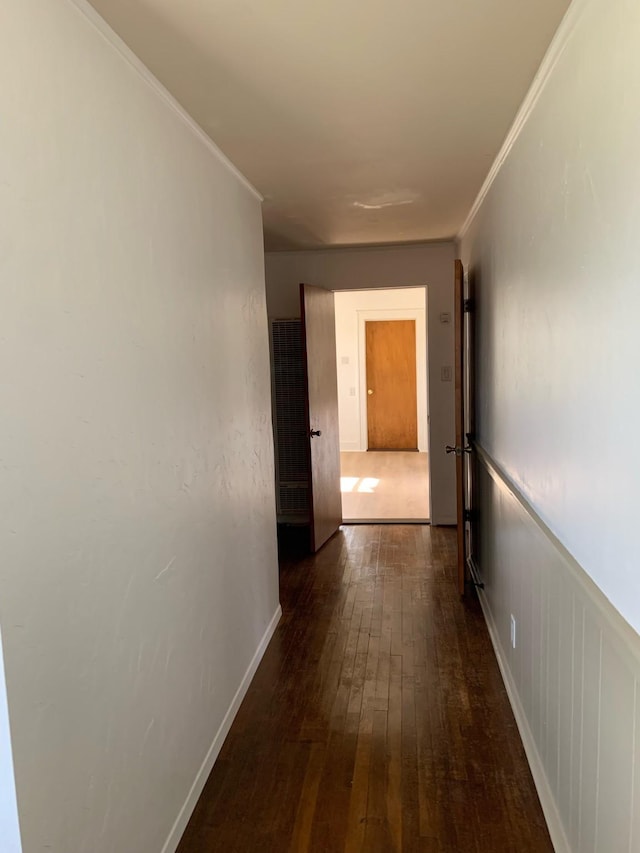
[[465, 428], [470, 458], [319, 338], [392, 406], [459, 446]]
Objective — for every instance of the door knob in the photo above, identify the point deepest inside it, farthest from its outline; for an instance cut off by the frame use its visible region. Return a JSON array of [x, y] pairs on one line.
[[315, 432], [457, 450], [369, 392]]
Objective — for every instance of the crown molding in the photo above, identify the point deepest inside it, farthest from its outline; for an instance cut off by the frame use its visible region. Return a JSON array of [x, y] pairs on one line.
[[114, 40], [549, 62]]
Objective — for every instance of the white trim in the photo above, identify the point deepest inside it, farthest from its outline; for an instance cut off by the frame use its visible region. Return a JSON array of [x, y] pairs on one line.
[[199, 782], [141, 69], [419, 316], [626, 638], [623, 640], [385, 521], [550, 60], [547, 801], [350, 446]]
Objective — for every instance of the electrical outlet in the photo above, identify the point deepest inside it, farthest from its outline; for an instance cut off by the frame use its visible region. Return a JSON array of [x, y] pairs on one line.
[[513, 631]]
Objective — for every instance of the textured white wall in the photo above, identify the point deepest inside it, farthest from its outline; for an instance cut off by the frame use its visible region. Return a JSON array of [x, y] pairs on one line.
[[554, 252], [139, 570], [430, 264], [353, 308]]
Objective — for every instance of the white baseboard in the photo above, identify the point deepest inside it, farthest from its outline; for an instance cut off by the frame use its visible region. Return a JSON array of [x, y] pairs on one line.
[[547, 800], [347, 446], [186, 811]]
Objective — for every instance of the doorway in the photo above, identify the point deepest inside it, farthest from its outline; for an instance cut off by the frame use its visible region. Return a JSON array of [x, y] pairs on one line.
[[384, 458]]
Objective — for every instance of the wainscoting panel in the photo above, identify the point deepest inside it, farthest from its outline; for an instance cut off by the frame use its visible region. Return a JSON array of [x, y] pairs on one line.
[[572, 677]]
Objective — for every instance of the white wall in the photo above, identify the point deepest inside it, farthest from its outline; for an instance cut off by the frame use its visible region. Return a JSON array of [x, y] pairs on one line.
[[139, 574], [353, 309], [9, 825], [429, 265], [553, 251]]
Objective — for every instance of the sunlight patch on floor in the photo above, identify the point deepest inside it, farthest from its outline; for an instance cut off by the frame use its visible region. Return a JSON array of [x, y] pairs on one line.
[[348, 484], [368, 485], [365, 485], [384, 484]]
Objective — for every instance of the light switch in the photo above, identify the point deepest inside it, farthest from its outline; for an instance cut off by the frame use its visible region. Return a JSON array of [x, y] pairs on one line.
[[446, 374]]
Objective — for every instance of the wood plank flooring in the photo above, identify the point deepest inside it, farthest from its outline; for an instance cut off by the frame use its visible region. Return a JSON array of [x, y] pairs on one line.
[[377, 721], [385, 485]]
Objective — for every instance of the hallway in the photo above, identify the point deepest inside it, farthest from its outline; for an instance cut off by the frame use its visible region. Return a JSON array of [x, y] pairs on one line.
[[377, 720]]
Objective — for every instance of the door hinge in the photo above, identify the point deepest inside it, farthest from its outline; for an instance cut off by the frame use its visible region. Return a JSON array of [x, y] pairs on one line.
[[474, 578], [468, 306], [470, 515]]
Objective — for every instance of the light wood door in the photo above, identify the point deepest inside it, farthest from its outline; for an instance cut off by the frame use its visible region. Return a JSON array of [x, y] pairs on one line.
[[392, 406], [319, 336]]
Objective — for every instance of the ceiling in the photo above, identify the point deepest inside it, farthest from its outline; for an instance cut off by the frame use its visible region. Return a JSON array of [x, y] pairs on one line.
[[360, 121]]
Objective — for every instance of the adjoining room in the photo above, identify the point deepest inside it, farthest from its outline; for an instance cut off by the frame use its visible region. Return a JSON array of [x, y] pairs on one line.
[[381, 356]]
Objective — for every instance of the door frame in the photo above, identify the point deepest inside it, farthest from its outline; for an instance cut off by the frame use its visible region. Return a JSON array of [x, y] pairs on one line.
[[422, 355]]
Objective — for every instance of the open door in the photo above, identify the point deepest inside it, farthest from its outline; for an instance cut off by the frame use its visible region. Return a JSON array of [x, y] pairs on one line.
[[319, 338], [471, 508], [464, 402]]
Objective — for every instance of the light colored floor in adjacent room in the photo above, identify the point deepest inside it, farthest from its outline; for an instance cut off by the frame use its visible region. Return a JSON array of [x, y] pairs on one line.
[[384, 485]]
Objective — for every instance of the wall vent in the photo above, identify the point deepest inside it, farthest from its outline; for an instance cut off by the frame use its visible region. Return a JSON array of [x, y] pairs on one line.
[[289, 421]]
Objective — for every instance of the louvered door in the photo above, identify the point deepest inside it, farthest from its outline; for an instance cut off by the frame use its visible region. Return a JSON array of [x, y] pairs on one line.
[[289, 422]]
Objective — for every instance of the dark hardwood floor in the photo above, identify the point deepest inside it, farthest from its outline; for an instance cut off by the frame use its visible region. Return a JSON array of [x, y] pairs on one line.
[[377, 720]]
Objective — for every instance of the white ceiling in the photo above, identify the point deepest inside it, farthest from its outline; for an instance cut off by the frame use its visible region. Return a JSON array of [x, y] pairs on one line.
[[360, 121]]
